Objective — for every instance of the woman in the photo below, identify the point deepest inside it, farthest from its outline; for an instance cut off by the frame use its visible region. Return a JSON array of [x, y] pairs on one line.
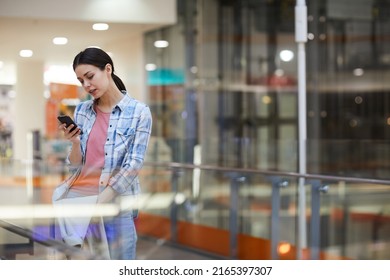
[[106, 157]]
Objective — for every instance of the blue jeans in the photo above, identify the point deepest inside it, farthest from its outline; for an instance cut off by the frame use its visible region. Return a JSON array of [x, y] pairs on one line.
[[121, 235]]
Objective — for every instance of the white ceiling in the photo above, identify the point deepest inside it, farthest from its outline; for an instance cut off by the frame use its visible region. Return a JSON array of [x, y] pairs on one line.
[[37, 35], [32, 24]]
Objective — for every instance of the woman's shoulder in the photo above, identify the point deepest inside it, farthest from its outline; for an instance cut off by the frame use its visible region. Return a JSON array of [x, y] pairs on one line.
[[133, 103], [84, 105], [83, 110]]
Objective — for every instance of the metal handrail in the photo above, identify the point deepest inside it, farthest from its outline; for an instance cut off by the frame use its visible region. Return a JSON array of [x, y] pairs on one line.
[[43, 240], [268, 172]]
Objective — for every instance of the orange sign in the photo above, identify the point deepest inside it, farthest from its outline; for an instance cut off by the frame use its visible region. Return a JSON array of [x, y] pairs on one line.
[[61, 91], [51, 119]]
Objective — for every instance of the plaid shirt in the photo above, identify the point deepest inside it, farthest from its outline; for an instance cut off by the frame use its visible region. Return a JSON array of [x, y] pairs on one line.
[[128, 135]]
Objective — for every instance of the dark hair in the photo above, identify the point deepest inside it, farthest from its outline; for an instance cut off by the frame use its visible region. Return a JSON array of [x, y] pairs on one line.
[[99, 58]]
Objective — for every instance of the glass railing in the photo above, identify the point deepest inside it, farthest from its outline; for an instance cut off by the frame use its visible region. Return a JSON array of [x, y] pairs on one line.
[[350, 218], [226, 212], [223, 211], [254, 214], [28, 219]]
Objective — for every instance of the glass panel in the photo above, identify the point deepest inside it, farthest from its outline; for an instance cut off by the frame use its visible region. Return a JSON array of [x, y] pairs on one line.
[[202, 201], [355, 221], [27, 217]]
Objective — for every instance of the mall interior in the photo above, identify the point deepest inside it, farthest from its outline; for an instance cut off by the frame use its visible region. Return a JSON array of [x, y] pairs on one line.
[[271, 124]]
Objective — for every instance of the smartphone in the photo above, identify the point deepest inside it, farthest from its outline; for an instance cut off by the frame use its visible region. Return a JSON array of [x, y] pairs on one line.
[[68, 121]]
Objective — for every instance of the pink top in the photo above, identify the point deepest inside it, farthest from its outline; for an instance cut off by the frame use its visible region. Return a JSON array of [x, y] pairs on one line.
[[88, 181]]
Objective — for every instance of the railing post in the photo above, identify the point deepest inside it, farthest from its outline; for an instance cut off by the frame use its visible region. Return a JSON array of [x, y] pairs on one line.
[[277, 183], [315, 219], [175, 177], [235, 180]]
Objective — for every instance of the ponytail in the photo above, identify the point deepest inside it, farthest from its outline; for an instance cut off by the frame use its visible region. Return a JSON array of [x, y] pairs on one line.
[[118, 82]]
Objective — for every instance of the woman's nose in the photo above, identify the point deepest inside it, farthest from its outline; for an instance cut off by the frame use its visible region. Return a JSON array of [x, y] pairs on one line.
[[87, 84]]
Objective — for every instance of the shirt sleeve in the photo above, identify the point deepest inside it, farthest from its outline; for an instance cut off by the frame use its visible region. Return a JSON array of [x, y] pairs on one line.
[[125, 177]]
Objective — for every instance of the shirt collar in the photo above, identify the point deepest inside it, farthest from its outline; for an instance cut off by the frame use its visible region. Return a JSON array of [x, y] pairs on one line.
[[124, 101], [121, 104]]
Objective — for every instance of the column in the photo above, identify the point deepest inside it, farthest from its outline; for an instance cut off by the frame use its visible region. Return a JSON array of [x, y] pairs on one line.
[[29, 110]]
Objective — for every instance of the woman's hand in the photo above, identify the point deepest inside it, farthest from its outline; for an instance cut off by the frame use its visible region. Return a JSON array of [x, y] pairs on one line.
[[72, 136], [107, 195]]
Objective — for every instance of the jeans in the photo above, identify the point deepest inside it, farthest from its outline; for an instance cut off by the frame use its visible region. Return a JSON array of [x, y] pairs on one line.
[[121, 235]]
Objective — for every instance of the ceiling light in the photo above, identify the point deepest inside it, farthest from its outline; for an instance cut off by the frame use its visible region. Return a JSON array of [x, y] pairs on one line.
[[60, 41], [358, 72], [26, 53], [266, 99], [100, 26], [286, 55], [161, 44], [150, 67]]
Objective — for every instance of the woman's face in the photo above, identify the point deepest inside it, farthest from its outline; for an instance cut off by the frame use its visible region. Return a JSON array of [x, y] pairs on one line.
[[93, 80]]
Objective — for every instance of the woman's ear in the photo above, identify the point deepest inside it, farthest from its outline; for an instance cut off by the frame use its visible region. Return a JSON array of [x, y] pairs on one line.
[[108, 68]]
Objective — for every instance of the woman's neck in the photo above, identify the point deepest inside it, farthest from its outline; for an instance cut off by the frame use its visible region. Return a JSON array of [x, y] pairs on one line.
[[109, 100]]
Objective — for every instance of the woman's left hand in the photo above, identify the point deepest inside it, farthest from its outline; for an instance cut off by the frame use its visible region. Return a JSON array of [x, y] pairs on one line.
[[107, 195]]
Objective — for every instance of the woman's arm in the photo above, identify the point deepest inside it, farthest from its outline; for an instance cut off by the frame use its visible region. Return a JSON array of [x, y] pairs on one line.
[[75, 156], [123, 179]]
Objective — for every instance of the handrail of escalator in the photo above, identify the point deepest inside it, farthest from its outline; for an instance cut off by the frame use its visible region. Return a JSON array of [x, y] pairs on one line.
[[43, 240]]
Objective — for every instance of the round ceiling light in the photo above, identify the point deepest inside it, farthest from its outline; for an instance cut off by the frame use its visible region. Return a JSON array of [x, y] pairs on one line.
[[100, 26], [26, 53], [161, 44], [60, 41]]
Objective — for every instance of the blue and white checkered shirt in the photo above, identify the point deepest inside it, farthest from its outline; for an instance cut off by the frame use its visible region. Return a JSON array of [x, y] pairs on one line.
[[128, 135]]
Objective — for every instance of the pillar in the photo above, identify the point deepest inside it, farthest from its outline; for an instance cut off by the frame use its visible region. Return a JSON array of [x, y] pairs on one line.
[[29, 110]]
